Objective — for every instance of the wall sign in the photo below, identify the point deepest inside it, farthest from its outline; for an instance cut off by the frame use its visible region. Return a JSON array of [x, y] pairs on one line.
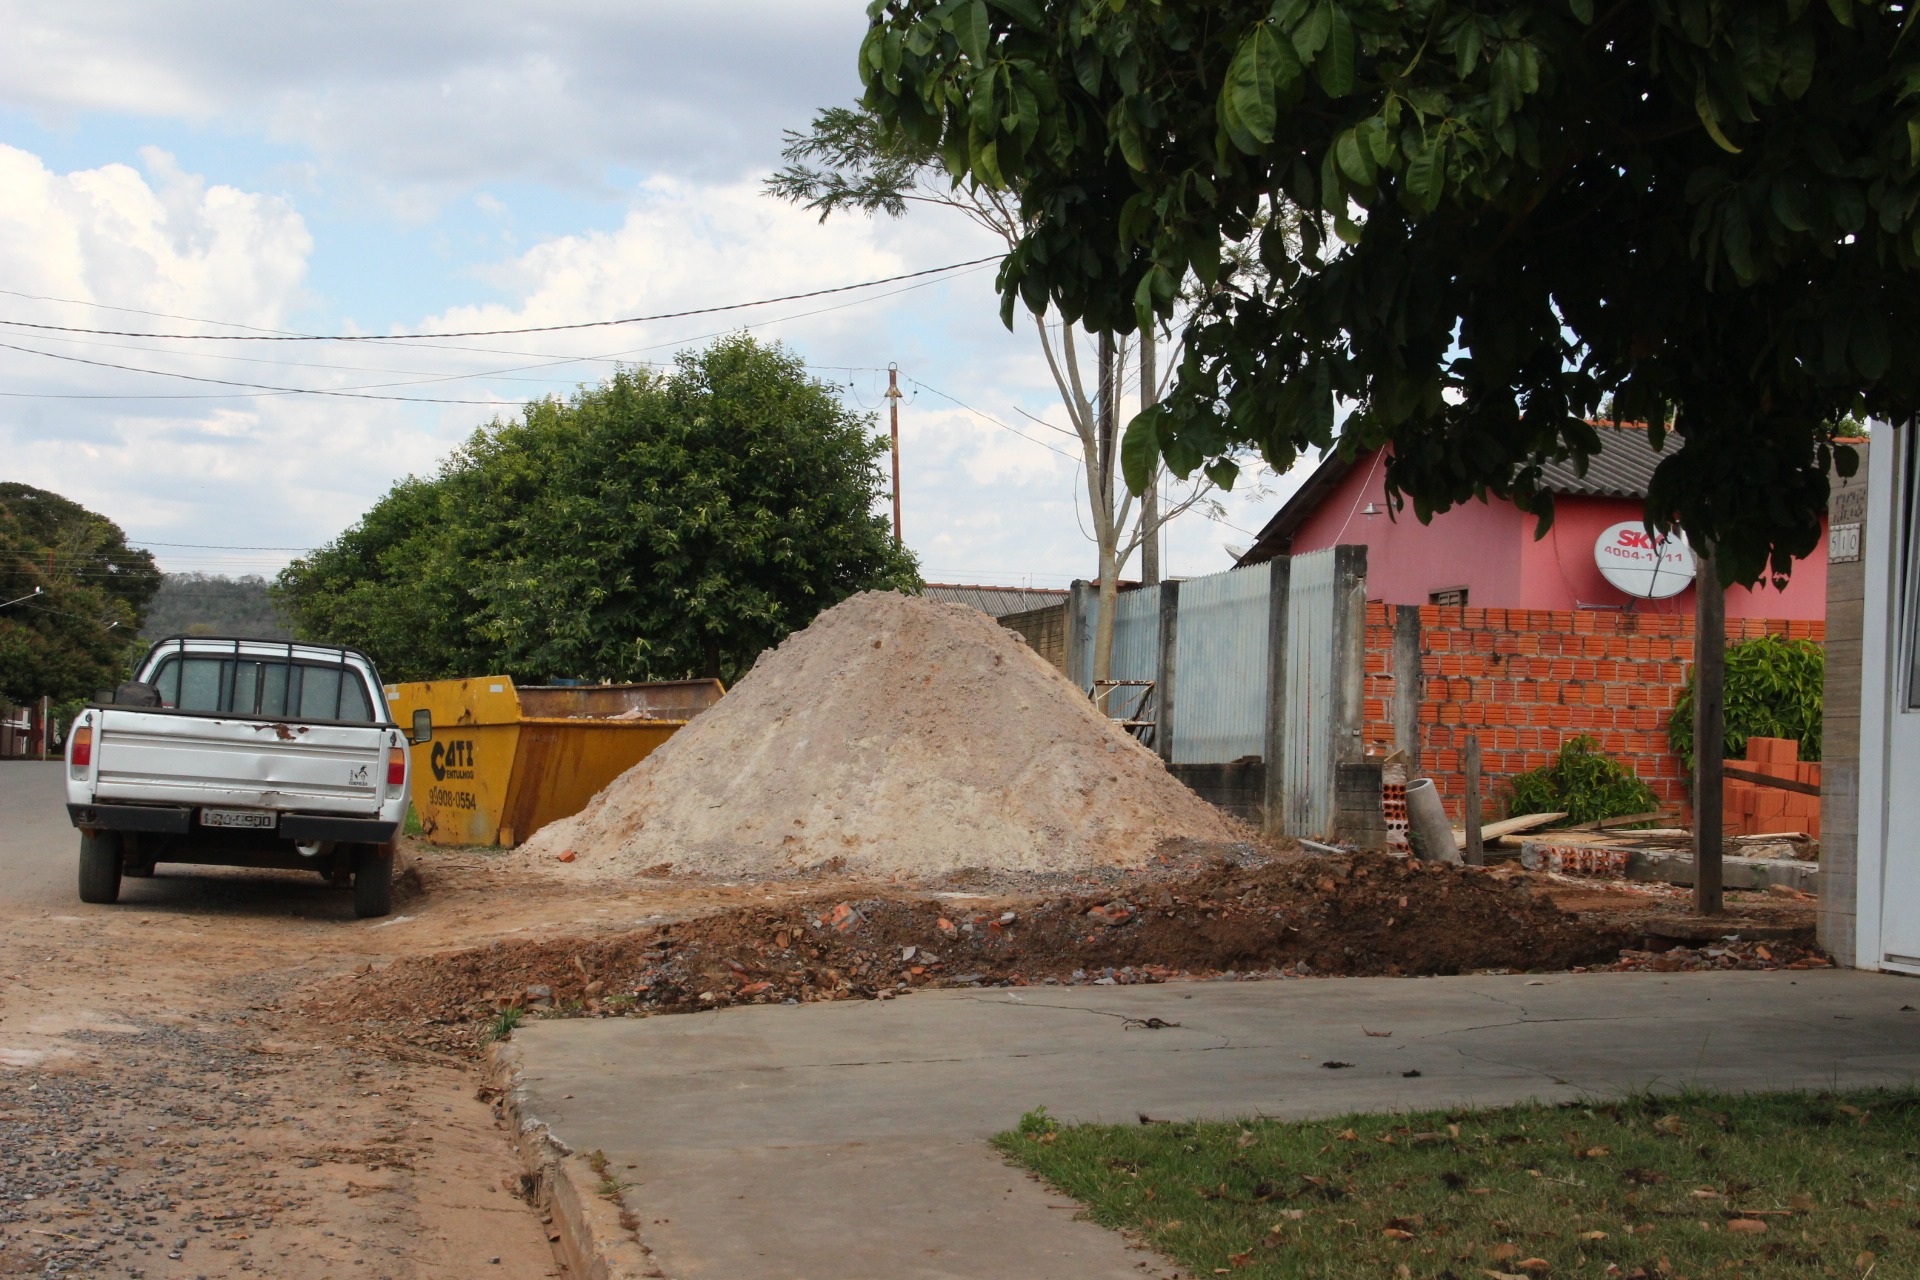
[[1843, 543], [1642, 564]]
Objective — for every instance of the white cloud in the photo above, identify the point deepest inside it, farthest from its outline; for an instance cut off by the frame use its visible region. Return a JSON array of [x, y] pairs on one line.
[[986, 498], [199, 469], [440, 94]]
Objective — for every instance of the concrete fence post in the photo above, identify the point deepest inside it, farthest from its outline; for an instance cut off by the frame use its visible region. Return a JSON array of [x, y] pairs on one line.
[[1274, 806], [1078, 669], [1406, 684], [1165, 677], [1349, 653]]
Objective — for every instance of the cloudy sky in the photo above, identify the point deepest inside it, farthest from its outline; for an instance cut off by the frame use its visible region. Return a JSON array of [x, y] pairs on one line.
[[210, 166]]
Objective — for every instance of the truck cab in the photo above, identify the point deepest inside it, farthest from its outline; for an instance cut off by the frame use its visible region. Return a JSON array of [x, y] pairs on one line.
[[235, 752]]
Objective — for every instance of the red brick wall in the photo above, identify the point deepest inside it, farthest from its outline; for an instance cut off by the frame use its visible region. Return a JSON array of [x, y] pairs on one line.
[[1525, 680]]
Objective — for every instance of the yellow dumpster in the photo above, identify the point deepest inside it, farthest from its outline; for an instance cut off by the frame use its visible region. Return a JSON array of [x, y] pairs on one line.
[[506, 760]]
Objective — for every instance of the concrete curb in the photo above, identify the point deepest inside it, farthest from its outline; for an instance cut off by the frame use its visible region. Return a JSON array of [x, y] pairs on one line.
[[594, 1243]]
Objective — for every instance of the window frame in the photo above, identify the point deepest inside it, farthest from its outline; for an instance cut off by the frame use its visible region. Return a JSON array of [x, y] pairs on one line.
[[229, 678]]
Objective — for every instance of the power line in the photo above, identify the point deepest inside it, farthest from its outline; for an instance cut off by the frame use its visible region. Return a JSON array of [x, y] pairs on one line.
[[492, 333], [215, 546], [1073, 458], [363, 393], [257, 387]]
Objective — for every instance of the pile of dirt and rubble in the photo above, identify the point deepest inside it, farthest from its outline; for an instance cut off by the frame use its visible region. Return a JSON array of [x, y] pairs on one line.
[[1354, 914], [896, 735]]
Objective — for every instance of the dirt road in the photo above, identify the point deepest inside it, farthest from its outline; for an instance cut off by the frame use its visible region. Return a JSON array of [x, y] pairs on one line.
[[165, 1113]]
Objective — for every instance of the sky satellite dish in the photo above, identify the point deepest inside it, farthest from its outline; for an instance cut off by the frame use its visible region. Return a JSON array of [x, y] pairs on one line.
[[1645, 565]]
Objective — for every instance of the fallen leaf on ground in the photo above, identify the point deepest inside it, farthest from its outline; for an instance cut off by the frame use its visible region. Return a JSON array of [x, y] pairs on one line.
[[1501, 1252], [1751, 1226]]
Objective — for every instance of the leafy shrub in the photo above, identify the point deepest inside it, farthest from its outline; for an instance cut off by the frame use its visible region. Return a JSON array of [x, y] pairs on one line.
[[1582, 783], [1775, 689]]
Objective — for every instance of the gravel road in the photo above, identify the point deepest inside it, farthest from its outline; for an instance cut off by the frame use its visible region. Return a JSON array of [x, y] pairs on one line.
[[160, 1117]]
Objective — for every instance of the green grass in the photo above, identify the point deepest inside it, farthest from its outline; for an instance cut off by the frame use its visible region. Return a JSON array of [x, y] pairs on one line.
[[1642, 1188], [413, 827], [503, 1024]]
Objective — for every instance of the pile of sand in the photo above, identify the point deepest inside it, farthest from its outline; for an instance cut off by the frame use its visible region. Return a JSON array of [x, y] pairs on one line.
[[901, 735]]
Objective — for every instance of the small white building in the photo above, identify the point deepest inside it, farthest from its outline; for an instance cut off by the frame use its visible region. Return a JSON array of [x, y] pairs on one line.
[[1871, 894]]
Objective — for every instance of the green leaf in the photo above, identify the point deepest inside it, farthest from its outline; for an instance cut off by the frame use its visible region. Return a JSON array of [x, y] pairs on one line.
[[1703, 105], [1869, 349], [1311, 35], [1140, 449], [1355, 160], [1126, 132], [972, 28], [1796, 63], [1223, 472], [1789, 203], [1334, 66], [1379, 143], [1260, 68], [1426, 178], [1582, 10], [1842, 11], [1025, 12]]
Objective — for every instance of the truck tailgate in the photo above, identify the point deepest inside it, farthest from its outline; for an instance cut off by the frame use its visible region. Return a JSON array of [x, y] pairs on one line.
[[208, 760]]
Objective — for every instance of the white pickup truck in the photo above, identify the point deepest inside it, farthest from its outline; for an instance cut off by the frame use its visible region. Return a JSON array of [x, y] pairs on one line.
[[247, 753]]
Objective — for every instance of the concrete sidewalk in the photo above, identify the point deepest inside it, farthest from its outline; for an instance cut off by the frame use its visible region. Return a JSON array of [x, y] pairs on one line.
[[846, 1141]]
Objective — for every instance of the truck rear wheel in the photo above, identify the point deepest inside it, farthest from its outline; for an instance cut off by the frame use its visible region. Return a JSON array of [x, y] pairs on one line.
[[372, 880], [100, 867]]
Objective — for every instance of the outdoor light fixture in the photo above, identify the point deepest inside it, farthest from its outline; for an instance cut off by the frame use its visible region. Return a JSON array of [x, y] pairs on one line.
[[1371, 510], [30, 595]]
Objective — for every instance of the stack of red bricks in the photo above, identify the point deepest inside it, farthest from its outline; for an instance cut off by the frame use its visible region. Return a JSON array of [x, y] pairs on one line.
[[1753, 810], [1523, 681]]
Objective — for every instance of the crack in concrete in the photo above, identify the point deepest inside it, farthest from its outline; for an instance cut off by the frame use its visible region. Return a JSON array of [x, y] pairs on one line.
[[1225, 1042]]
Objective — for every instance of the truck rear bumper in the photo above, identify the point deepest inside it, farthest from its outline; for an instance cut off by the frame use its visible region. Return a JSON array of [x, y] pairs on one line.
[[301, 828], [305, 827], [131, 817]]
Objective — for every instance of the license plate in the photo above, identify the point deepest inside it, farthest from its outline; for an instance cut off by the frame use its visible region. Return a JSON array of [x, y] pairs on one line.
[[238, 818]]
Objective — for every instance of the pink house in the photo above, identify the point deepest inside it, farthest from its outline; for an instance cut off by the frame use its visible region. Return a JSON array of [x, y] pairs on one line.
[[1484, 554]]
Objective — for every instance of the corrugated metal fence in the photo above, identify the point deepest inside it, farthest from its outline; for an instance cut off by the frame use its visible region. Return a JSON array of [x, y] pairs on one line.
[[1222, 664], [1136, 645], [1223, 657], [1307, 759]]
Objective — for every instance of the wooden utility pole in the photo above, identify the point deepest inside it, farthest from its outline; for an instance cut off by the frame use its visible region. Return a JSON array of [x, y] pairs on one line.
[[1709, 730], [1476, 852], [893, 413]]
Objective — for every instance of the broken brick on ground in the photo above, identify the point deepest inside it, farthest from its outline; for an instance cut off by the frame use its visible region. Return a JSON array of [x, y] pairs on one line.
[[1357, 914]]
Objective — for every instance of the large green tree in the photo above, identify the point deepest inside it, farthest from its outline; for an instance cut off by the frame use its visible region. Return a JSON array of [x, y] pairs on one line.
[[656, 526], [1479, 219], [77, 634]]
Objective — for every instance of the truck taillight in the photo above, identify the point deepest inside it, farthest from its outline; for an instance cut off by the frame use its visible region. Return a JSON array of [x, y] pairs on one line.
[[82, 748], [396, 766]]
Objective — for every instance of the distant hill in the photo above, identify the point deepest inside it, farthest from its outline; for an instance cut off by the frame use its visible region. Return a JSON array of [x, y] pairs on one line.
[[207, 604]]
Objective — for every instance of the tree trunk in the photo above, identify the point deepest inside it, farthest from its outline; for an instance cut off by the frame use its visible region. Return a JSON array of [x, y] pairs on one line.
[[1102, 497], [1709, 729], [1150, 500]]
